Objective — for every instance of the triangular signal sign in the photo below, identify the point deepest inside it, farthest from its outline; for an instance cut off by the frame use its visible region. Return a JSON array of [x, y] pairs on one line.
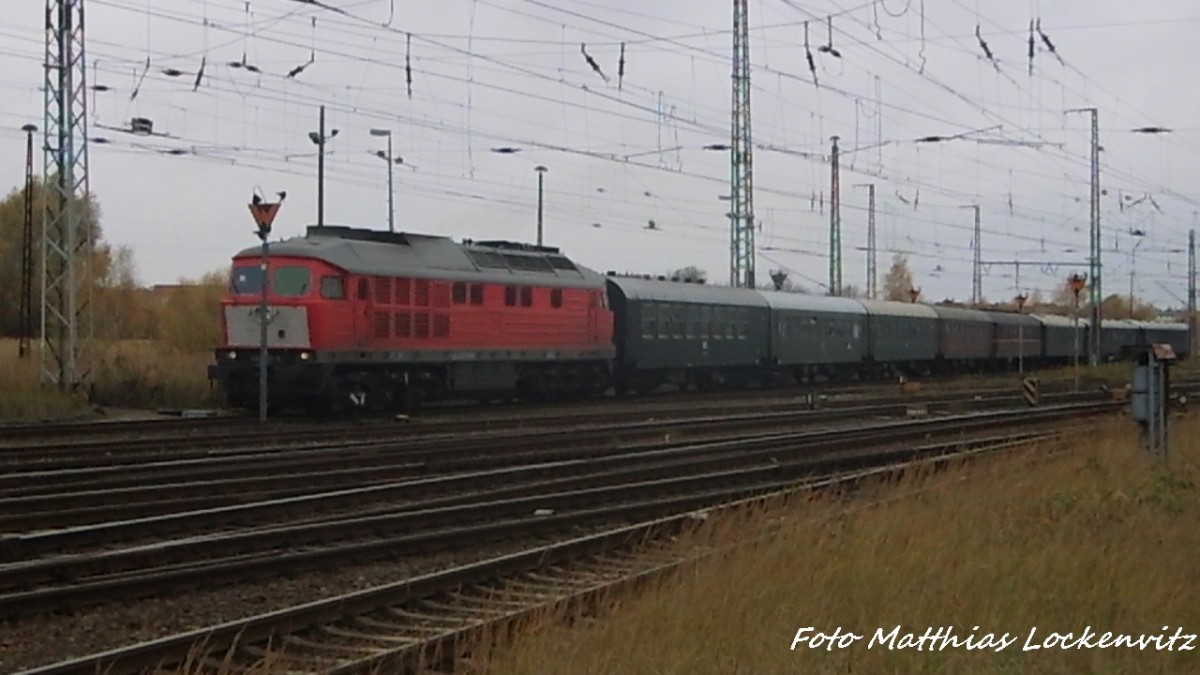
[[264, 215]]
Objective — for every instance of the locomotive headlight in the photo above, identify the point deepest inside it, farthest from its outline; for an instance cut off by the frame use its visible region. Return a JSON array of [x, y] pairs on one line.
[[231, 355], [304, 356]]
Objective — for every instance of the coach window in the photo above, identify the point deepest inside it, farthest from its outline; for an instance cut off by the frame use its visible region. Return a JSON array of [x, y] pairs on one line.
[[476, 294], [458, 293], [510, 296], [333, 288], [556, 297], [527, 296]]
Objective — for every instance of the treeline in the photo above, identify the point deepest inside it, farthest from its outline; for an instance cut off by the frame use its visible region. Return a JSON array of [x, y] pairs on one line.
[[183, 316]]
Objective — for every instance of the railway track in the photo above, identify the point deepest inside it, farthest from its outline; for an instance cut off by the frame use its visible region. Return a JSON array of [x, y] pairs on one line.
[[34, 497], [83, 441], [430, 621], [496, 504], [114, 452]]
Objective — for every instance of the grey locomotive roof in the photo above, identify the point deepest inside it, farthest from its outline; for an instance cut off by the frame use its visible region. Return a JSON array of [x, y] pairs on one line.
[[423, 256], [812, 303], [910, 309], [961, 314], [1011, 319], [1061, 321], [650, 290]]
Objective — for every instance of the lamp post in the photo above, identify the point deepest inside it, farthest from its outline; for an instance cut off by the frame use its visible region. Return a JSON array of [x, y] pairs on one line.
[[391, 161], [319, 138], [541, 172]]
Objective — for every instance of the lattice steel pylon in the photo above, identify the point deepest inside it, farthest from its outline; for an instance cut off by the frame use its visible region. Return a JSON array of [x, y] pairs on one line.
[[741, 157], [66, 232]]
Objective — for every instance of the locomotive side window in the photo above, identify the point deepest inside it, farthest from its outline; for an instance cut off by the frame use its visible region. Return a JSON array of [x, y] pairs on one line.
[[556, 297], [527, 296], [333, 288], [510, 296], [476, 294], [291, 281], [458, 293], [363, 289]]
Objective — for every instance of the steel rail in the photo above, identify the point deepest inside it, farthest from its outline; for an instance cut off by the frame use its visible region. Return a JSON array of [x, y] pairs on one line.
[[505, 586]]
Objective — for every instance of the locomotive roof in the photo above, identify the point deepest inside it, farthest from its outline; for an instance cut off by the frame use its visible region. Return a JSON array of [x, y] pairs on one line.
[[423, 256], [889, 308], [813, 303], [650, 290]]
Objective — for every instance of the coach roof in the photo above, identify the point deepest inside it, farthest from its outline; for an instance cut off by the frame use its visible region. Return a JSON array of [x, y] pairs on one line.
[[649, 290], [909, 309], [422, 256], [802, 302]]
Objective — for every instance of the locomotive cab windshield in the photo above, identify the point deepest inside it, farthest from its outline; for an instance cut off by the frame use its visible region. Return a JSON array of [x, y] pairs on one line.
[[287, 281]]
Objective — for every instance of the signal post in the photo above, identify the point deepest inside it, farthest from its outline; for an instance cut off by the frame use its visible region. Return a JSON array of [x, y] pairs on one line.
[[264, 214]]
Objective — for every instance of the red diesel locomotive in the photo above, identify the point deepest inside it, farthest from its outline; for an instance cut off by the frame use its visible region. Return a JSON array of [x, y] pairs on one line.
[[378, 319]]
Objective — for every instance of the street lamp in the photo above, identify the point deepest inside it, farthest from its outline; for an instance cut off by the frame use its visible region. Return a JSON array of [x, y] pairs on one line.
[[391, 161], [319, 138], [541, 172]]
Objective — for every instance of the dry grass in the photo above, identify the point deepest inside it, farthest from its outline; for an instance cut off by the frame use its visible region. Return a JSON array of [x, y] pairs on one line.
[[1098, 537], [128, 373]]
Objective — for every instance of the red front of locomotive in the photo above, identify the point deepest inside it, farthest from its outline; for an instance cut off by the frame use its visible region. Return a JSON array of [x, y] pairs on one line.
[[377, 320]]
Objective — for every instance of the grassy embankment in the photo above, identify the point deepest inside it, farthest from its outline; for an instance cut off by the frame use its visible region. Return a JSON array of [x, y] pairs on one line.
[[129, 373], [1100, 536]]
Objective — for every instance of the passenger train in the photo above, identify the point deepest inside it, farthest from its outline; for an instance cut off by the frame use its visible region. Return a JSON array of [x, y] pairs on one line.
[[361, 318]]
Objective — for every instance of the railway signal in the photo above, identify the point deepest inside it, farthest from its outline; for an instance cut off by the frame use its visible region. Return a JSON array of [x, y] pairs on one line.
[[264, 213]]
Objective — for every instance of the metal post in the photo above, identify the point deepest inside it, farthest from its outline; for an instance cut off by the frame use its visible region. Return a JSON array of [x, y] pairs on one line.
[[1097, 297], [835, 225], [1192, 292], [264, 214], [391, 202], [977, 276], [263, 320], [1132, 272], [67, 241], [26, 318], [1020, 300], [320, 171], [741, 156], [871, 266], [1076, 283], [541, 172], [1075, 351]]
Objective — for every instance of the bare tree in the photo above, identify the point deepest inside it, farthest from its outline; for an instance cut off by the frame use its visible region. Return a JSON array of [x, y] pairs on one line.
[[898, 280]]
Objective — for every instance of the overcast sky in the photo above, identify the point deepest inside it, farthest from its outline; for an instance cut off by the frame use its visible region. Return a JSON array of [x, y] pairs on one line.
[[625, 151]]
